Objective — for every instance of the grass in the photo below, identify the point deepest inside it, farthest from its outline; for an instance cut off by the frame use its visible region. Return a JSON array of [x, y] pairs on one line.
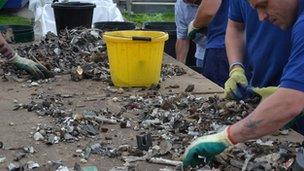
[[11, 20], [140, 18]]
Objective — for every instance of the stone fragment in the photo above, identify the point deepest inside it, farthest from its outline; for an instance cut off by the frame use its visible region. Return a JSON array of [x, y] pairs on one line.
[[38, 136]]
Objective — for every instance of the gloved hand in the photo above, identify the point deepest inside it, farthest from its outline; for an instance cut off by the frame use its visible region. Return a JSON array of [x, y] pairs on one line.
[[192, 31], [206, 146], [236, 76], [265, 91], [247, 92], [36, 70]]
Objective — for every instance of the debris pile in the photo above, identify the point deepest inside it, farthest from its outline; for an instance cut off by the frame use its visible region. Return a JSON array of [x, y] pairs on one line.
[[80, 52], [69, 126], [258, 155], [177, 113], [174, 114], [165, 123]]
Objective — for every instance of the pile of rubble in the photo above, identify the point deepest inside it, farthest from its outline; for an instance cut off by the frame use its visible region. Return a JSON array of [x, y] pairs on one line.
[[165, 123], [80, 52]]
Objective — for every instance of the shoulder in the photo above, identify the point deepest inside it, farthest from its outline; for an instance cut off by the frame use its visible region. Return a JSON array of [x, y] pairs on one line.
[[298, 30], [240, 4], [299, 23], [236, 10], [179, 3]]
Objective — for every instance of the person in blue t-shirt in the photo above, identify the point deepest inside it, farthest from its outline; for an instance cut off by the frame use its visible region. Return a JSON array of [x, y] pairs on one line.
[[214, 15], [247, 44], [265, 54], [280, 108], [184, 14]]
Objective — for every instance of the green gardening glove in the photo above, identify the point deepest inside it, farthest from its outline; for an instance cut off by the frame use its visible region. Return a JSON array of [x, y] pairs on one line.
[[36, 70], [236, 76], [265, 91], [192, 31], [206, 146]]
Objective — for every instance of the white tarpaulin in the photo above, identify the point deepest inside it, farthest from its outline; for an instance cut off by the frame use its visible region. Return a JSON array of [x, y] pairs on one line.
[[105, 10]]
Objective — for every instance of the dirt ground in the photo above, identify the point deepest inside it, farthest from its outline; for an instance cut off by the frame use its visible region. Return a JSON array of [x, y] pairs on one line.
[[17, 127], [25, 123]]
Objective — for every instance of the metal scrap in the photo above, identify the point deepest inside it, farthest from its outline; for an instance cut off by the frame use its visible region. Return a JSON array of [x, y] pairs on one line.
[[172, 121], [79, 52], [165, 161], [144, 141], [13, 167]]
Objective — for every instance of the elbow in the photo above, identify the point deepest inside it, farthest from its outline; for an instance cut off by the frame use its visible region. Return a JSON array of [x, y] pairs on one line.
[[296, 111], [294, 108], [209, 14]]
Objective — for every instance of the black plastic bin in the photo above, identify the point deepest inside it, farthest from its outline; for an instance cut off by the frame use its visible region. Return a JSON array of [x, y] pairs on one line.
[[73, 14], [114, 25], [170, 28], [22, 33]]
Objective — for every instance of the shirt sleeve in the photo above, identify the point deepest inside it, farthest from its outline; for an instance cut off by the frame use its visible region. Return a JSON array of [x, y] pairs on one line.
[[293, 75], [235, 12], [181, 25]]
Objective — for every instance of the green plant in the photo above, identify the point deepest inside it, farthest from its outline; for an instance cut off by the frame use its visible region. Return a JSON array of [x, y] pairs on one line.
[[140, 18], [10, 20]]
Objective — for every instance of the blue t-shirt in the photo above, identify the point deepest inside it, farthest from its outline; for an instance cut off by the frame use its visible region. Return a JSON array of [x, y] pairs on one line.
[[217, 27], [293, 75], [267, 46], [184, 14]]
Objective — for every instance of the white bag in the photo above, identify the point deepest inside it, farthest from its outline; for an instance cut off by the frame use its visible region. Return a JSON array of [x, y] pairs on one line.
[[105, 10]]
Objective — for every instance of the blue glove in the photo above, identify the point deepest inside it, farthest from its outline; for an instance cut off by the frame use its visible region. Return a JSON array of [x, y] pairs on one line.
[[245, 92]]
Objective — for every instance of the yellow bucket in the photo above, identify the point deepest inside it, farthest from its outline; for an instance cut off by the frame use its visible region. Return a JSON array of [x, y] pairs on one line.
[[135, 57]]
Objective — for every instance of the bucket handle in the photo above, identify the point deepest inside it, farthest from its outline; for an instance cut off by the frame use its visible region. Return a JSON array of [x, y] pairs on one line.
[[139, 38]]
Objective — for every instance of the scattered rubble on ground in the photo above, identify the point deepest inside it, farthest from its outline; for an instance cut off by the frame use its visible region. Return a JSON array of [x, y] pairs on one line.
[[79, 52], [163, 124]]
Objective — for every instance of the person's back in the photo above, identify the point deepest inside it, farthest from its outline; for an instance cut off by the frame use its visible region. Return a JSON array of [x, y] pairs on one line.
[[216, 67], [267, 46], [217, 27]]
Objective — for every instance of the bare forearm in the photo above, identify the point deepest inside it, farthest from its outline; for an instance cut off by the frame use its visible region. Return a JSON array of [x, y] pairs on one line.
[[271, 115], [182, 48], [5, 48], [234, 41], [206, 12]]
